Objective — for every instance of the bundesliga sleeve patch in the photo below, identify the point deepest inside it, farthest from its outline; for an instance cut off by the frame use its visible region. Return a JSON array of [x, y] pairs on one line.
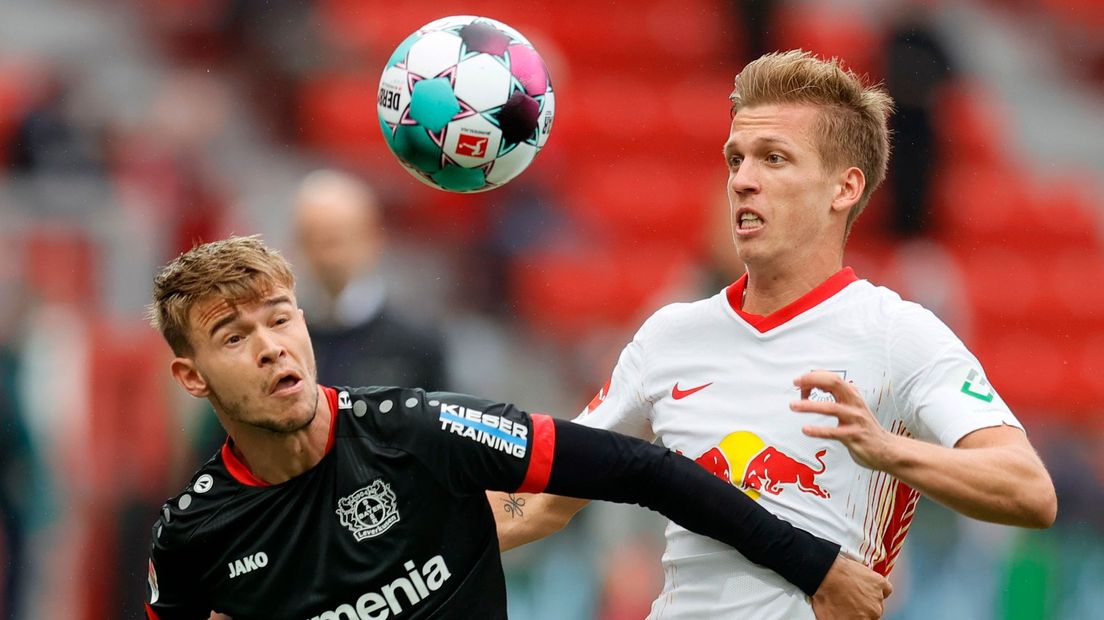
[[491, 430]]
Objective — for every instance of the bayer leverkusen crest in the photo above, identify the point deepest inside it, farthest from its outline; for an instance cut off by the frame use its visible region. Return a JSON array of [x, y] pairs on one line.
[[370, 511]]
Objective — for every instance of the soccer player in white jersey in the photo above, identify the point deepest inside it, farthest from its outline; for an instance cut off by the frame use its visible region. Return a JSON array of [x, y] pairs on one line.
[[831, 401]]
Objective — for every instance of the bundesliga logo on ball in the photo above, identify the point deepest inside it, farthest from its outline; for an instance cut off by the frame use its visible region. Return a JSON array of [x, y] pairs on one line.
[[465, 103]]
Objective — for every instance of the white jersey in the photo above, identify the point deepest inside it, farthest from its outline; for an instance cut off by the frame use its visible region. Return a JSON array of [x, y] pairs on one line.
[[715, 384]]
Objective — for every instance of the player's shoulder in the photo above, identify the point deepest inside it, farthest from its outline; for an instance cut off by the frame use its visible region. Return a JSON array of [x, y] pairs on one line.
[[678, 316], [199, 508], [904, 322], [882, 302], [904, 312], [363, 409], [376, 409]]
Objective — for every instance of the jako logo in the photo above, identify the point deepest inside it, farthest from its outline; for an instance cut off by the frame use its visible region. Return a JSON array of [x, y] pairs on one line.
[[248, 564], [380, 605]]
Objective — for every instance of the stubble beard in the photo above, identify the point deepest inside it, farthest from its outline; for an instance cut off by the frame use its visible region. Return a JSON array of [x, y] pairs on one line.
[[236, 410]]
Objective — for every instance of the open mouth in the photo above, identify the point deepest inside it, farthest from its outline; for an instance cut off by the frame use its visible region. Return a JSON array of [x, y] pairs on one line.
[[748, 221], [285, 381]]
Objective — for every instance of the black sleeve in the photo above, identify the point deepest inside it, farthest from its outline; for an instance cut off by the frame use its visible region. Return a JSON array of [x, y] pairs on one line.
[[172, 592], [595, 464], [470, 444]]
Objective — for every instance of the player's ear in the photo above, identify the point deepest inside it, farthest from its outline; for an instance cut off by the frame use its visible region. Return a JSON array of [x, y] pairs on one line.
[[849, 189], [185, 373]]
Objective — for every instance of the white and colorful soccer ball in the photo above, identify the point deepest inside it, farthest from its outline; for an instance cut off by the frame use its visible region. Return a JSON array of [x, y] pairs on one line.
[[465, 103]]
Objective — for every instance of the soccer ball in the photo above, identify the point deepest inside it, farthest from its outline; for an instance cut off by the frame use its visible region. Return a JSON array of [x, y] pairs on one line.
[[465, 103]]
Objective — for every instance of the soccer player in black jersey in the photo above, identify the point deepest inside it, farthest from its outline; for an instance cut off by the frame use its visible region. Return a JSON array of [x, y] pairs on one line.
[[355, 503]]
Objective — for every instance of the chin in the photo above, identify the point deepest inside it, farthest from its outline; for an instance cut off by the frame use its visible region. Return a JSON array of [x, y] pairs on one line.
[[287, 425]]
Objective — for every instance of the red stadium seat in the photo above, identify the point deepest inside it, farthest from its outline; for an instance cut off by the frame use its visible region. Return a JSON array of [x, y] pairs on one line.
[[337, 113], [971, 125], [1005, 289], [1074, 286], [1084, 14], [639, 199], [1091, 367], [1031, 371], [1061, 213], [374, 26], [1039, 326], [980, 205], [569, 293], [830, 30], [62, 265], [608, 117]]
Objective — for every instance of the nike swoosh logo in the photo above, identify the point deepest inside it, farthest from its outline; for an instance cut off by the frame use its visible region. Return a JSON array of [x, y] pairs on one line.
[[678, 394]]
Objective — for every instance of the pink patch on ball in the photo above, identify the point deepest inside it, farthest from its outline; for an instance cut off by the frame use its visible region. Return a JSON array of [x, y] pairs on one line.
[[528, 68]]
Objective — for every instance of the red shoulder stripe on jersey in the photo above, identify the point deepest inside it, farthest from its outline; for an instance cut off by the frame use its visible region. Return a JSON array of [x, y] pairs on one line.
[[331, 398], [541, 448], [808, 301], [150, 613]]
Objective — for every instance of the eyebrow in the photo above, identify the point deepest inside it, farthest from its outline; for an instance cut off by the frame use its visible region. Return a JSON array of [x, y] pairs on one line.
[[729, 145], [233, 316]]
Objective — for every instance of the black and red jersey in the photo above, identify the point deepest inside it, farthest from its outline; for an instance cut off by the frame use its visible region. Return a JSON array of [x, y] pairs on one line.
[[393, 522]]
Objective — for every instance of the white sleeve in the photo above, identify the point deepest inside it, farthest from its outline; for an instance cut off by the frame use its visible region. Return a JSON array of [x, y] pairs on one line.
[[940, 388], [621, 405]]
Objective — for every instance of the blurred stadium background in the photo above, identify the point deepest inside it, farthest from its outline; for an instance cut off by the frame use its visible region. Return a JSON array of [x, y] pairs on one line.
[[130, 128]]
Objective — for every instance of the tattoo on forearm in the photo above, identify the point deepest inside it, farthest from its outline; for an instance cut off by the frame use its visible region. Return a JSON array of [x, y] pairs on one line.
[[513, 506]]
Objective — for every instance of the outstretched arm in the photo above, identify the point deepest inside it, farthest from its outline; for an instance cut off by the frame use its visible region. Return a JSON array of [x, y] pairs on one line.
[[524, 517], [992, 474], [594, 464], [850, 590]]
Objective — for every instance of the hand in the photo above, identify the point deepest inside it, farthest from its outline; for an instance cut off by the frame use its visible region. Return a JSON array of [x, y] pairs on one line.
[[850, 590], [869, 443]]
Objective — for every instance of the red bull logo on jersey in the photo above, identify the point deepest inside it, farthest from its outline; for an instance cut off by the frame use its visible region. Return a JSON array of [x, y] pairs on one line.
[[772, 468], [746, 461]]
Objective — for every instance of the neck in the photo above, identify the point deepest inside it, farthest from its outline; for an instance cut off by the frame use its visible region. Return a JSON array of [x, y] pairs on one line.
[[279, 457], [773, 287]]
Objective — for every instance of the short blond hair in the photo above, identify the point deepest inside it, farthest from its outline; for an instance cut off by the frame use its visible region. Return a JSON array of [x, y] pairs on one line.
[[237, 270], [852, 129]]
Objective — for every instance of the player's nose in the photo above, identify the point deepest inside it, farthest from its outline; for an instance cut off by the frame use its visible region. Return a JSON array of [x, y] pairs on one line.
[[269, 347], [744, 179]]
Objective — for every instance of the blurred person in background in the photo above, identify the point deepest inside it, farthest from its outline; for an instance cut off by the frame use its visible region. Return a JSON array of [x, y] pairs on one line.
[[52, 138], [17, 472], [917, 66], [339, 233], [904, 409], [244, 537]]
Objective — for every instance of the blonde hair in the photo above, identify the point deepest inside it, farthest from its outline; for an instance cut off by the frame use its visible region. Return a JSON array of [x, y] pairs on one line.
[[852, 127], [237, 270]]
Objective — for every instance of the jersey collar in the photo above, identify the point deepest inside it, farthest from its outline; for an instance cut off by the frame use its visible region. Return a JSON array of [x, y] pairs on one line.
[[239, 470], [765, 323]]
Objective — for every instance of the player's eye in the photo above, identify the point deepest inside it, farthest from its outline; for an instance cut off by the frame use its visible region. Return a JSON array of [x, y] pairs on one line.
[[734, 161], [233, 339], [775, 158]]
